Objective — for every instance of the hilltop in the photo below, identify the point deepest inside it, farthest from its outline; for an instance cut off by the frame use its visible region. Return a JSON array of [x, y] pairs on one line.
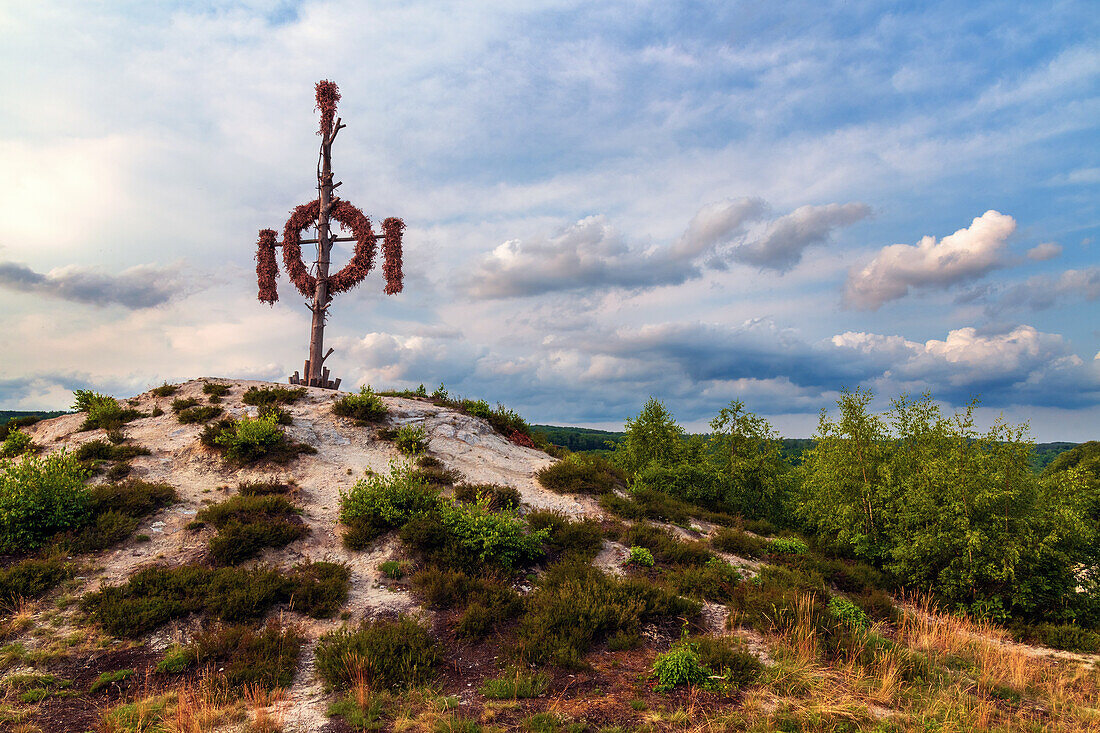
[[548, 618]]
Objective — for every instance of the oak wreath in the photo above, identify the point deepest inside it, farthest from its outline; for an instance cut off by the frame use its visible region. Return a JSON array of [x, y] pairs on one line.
[[353, 273]]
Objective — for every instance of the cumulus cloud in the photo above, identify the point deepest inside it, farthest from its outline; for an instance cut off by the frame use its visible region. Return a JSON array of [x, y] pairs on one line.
[[142, 286], [786, 238], [592, 254], [965, 255], [1045, 251], [1043, 291]]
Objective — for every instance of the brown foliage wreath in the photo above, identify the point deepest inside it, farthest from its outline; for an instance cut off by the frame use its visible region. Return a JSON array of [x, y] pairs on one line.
[[351, 218]]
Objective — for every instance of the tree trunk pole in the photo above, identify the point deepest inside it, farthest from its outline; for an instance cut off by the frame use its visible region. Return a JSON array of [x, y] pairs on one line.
[[324, 248]]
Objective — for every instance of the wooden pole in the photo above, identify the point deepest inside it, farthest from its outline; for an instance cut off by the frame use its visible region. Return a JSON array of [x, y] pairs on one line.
[[324, 250]]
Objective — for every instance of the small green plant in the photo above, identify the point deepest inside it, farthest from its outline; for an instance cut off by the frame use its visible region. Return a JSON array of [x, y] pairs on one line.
[[16, 444], [515, 684], [641, 557], [248, 440], [276, 413], [582, 539], [788, 546], [40, 497], [737, 542], [497, 496], [394, 569], [177, 659], [198, 414], [272, 395], [103, 411], [215, 390], [411, 440], [382, 502], [680, 666], [365, 408], [165, 390], [383, 653], [440, 393], [106, 680], [249, 524], [848, 613], [580, 474], [737, 666], [184, 403]]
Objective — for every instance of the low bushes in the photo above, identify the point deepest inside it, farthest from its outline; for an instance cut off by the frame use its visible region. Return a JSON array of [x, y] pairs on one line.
[[15, 443], [410, 440], [580, 540], [580, 474], [257, 396], [664, 546], [184, 403], [198, 414], [40, 497], [485, 603], [249, 524], [382, 653], [153, 596], [382, 502], [474, 537], [30, 579], [1062, 636], [101, 450], [265, 657], [262, 488], [576, 605], [494, 495], [215, 390], [680, 667], [165, 390], [737, 542], [688, 482], [728, 658], [115, 512], [365, 408], [714, 581], [103, 411], [640, 557], [248, 440]]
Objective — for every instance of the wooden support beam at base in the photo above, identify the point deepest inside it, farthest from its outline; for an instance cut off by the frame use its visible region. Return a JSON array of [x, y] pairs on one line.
[[323, 383]]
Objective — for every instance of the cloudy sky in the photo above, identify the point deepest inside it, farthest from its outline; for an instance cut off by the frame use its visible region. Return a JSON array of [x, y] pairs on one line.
[[701, 201]]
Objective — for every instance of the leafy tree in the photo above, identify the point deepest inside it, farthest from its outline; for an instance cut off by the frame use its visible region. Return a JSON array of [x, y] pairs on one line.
[[652, 438], [747, 452]]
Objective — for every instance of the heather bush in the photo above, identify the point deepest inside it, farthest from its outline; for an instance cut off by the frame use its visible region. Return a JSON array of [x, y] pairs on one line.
[[576, 605], [30, 579], [689, 482], [265, 657], [580, 474], [581, 539], [729, 658], [248, 440], [664, 546], [714, 581], [496, 496], [102, 411], [365, 408], [249, 524], [184, 403], [215, 390], [40, 497], [737, 542], [257, 396], [382, 653], [101, 450], [165, 390], [198, 414]]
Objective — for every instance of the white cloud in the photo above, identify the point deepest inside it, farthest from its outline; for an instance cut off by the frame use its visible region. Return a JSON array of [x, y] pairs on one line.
[[965, 255], [782, 244], [1045, 251]]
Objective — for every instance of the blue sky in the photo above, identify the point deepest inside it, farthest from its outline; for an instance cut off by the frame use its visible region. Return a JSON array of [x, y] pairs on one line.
[[605, 201]]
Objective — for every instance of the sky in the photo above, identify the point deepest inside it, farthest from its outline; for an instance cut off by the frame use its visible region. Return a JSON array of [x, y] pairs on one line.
[[696, 201]]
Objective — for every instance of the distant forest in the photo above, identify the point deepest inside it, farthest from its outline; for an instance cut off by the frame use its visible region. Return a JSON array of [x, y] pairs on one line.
[[584, 440]]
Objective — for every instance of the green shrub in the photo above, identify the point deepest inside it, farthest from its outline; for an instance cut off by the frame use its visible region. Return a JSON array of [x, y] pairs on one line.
[[31, 579], [384, 653], [165, 390], [787, 546], [107, 680], [199, 414], [272, 395], [730, 659], [215, 390], [680, 666], [15, 423], [1065, 636], [411, 440], [737, 542], [664, 546], [435, 475], [848, 613], [276, 413], [262, 488], [365, 408], [761, 527], [641, 557], [444, 588], [476, 408], [40, 497], [769, 602], [266, 658], [101, 450], [154, 596], [15, 444], [486, 602], [689, 482], [103, 411], [184, 403], [394, 569], [497, 496], [177, 659], [582, 539], [580, 474], [492, 538], [249, 440], [383, 501], [134, 498], [249, 524], [515, 684], [714, 581], [576, 605]]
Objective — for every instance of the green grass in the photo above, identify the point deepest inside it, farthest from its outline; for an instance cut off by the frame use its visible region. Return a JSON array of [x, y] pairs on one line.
[[515, 684]]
